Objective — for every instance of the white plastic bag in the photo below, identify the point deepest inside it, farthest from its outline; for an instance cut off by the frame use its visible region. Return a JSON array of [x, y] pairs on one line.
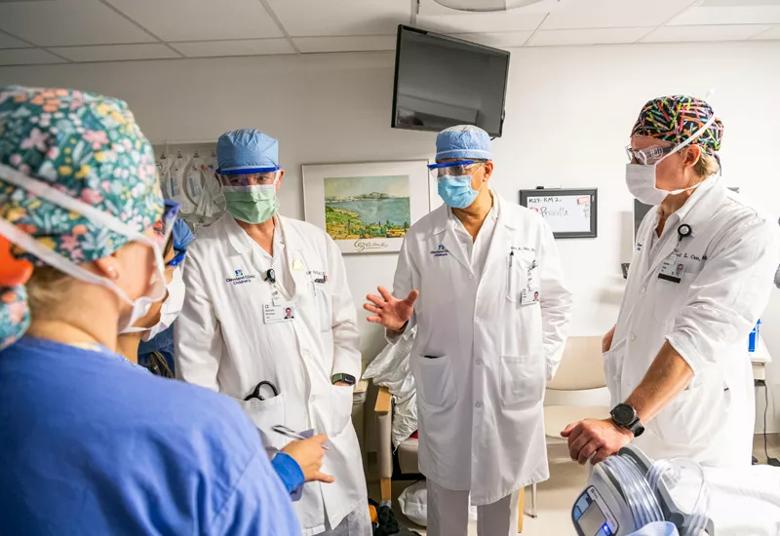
[[391, 369], [414, 503]]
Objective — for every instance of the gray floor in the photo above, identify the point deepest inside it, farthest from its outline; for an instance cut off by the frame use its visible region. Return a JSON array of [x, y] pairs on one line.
[[556, 496]]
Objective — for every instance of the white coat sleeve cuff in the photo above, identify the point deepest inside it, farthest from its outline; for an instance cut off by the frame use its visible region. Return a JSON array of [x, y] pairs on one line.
[[686, 347]]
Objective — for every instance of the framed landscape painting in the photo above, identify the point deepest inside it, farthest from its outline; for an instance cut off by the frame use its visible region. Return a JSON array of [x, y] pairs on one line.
[[366, 207]]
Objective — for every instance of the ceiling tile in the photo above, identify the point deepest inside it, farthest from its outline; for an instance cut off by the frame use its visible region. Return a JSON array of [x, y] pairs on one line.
[[745, 12], [345, 44], [245, 47], [341, 17], [6, 41], [27, 56], [594, 36], [498, 39], [147, 51], [481, 22], [612, 13], [678, 34], [195, 20], [771, 33], [68, 22]]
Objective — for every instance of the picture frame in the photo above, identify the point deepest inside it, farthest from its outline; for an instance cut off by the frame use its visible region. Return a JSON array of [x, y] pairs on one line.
[[570, 212], [366, 207]]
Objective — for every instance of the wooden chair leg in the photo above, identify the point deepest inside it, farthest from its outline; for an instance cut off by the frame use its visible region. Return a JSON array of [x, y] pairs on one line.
[[386, 489], [520, 510]]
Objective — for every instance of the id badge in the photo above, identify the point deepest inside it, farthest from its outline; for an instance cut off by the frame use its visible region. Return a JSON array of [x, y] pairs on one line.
[[274, 314], [671, 269], [529, 296]]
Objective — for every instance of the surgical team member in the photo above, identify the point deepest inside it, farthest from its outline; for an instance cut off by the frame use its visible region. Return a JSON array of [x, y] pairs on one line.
[[161, 314], [491, 317], [298, 459], [268, 319], [676, 362], [80, 450], [156, 350]]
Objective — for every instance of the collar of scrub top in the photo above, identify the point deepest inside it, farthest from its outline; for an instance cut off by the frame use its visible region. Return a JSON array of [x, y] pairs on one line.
[[177, 259]]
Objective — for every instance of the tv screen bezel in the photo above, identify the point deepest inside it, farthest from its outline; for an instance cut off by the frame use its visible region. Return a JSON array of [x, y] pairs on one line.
[[402, 28]]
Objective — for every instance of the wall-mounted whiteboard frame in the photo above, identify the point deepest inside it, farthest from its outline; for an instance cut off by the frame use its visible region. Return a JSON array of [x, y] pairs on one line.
[[586, 223]]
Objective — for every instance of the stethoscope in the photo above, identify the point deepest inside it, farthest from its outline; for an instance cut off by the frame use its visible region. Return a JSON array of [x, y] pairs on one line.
[[258, 395], [684, 231]]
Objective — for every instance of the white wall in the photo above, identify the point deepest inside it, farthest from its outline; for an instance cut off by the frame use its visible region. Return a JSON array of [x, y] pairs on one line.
[[569, 112]]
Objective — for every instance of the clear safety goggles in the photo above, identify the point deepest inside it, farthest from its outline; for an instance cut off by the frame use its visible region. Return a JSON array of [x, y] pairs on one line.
[[255, 177], [647, 156], [457, 168]]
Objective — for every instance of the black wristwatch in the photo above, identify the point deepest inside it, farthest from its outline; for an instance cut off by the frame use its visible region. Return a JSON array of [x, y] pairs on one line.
[[343, 377], [625, 416]]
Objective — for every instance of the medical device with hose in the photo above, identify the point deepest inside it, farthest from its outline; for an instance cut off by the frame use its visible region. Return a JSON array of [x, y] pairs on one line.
[[627, 491]]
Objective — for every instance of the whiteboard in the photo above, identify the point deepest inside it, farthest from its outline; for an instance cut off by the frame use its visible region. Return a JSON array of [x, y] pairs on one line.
[[568, 213]]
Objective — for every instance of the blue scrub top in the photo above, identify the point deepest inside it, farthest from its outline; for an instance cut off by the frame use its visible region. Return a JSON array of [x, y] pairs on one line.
[[92, 444]]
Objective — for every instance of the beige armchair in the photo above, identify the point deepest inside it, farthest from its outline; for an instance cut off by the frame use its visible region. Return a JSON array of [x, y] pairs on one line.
[[581, 369]]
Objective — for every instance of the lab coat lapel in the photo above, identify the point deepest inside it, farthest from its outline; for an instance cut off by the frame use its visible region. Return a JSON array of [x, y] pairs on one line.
[[294, 259], [498, 250], [661, 254], [702, 204], [443, 234]]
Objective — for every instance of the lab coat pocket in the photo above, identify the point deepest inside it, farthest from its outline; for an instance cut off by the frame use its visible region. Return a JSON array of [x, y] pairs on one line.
[[267, 413], [436, 382], [691, 419], [521, 275], [522, 381], [340, 410]]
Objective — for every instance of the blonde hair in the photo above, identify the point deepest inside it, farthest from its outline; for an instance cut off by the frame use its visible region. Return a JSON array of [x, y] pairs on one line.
[[47, 289], [707, 165]]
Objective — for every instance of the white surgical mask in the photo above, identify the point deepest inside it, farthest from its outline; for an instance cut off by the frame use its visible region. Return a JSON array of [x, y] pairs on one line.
[[140, 306], [641, 178], [171, 307]]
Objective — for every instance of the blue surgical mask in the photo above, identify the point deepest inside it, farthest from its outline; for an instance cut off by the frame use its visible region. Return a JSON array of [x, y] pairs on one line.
[[456, 191]]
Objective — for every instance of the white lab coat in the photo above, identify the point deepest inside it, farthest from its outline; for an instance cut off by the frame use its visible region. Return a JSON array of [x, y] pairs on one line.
[[726, 276], [223, 343], [480, 401]]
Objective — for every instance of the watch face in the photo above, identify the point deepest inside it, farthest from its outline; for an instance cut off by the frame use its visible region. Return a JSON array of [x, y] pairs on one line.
[[623, 414]]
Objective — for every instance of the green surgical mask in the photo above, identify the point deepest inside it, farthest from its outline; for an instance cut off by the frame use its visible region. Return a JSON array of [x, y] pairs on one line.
[[252, 204]]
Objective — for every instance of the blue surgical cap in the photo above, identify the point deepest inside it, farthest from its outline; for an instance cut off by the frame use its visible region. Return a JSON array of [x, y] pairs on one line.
[[182, 235], [463, 141], [246, 150]]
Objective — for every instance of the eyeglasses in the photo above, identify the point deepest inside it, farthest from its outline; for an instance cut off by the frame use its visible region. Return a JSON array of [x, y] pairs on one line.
[[456, 167], [258, 176], [648, 155], [163, 228]]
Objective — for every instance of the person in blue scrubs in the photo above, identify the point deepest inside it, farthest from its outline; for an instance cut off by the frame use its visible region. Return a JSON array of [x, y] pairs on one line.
[[155, 351], [81, 451]]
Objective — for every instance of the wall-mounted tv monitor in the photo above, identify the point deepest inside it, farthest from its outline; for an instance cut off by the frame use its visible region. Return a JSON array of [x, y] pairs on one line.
[[442, 81]]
